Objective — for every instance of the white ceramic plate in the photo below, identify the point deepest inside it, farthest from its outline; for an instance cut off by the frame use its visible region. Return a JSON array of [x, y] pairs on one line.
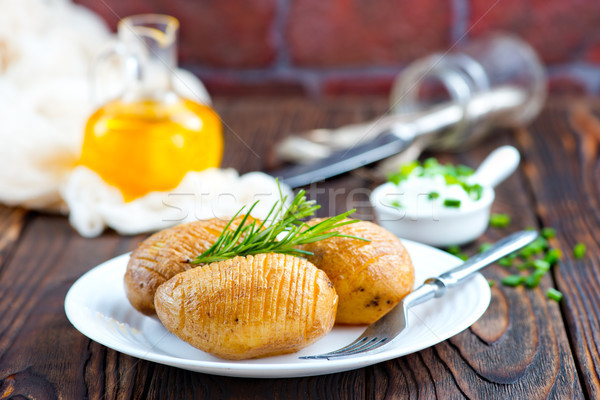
[[96, 305]]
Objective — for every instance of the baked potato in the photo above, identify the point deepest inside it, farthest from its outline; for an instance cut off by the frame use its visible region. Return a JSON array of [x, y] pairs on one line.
[[164, 255], [369, 277], [249, 307]]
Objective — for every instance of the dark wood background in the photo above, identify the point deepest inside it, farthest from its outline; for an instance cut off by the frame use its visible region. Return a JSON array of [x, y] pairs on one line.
[[524, 347]]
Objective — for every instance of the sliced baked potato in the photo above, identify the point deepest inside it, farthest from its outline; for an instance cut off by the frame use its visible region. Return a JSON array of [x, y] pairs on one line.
[[249, 307], [164, 255], [369, 277]]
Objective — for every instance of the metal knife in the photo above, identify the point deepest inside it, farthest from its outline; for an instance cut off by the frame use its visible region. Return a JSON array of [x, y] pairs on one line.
[[383, 146], [395, 133]]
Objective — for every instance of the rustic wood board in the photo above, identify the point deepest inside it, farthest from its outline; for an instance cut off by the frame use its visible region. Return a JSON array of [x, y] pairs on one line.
[[525, 346]]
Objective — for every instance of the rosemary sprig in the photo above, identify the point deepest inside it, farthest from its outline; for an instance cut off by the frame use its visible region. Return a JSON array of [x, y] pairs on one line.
[[283, 235]]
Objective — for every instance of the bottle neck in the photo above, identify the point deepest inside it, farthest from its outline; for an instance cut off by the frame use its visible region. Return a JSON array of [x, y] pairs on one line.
[[151, 62]]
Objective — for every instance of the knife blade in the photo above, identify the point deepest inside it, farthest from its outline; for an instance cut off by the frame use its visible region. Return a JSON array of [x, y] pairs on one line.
[[383, 146]]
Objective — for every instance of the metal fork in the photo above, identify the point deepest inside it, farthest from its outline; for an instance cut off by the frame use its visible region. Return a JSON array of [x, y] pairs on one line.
[[393, 323]]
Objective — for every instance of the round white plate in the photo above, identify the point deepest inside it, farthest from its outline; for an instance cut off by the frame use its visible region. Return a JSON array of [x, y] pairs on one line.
[[96, 305]]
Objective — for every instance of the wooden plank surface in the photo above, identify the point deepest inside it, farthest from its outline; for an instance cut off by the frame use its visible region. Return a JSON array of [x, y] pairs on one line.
[[525, 346]]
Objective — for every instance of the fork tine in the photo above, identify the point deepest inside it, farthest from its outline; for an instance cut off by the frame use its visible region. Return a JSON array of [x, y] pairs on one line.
[[360, 345], [371, 345], [352, 345]]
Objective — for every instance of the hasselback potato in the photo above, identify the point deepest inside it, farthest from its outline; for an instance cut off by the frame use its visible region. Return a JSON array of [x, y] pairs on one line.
[[249, 307], [165, 254], [369, 277]]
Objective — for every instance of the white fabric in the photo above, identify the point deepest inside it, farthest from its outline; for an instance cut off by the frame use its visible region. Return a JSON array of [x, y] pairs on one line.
[[46, 51], [201, 195]]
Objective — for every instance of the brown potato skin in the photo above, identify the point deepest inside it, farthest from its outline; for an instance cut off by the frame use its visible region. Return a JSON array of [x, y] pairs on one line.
[[369, 277], [163, 255], [249, 307]]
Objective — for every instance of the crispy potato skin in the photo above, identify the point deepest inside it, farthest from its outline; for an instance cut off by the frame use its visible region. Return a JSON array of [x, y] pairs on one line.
[[164, 255], [249, 307], [369, 277]]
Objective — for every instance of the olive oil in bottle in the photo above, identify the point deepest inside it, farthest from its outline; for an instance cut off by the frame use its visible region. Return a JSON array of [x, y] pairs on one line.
[[150, 137]]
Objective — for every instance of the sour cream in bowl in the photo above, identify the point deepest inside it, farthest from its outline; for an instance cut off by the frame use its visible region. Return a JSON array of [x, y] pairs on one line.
[[442, 205]]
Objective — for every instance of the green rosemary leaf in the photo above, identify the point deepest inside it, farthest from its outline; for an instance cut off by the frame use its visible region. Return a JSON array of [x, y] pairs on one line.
[[282, 234]]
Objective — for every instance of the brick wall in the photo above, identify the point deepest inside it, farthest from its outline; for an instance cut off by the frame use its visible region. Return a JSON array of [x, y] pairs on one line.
[[338, 47]]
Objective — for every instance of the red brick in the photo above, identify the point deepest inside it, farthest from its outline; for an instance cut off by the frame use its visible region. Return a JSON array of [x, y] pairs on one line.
[[219, 86], [557, 29], [219, 33], [361, 32], [376, 86], [593, 53]]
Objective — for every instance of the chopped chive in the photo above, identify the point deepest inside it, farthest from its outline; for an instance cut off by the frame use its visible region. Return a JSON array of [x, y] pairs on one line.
[[526, 265], [526, 253], [396, 178], [579, 250], [406, 169], [454, 250], [552, 256], [484, 246], [454, 203], [506, 262], [554, 294], [433, 195], [451, 179], [541, 265], [538, 245], [499, 220], [475, 191], [548, 233], [396, 203], [463, 170], [513, 280], [431, 162], [491, 282], [533, 280]]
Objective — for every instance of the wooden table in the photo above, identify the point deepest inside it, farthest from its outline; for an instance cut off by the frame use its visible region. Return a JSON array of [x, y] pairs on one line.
[[524, 347]]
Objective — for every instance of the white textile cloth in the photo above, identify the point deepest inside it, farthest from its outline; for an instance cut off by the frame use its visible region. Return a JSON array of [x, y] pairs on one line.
[[207, 194]]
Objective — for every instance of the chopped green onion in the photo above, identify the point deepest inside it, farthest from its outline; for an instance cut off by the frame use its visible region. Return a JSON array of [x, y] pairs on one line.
[[463, 170], [453, 175], [534, 279], [526, 264], [452, 203], [506, 262], [430, 163], [484, 246], [406, 169], [552, 256], [433, 195], [513, 280], [396, 178], [541, 265], [579, 250], [451, 180], [530, 228], [548, 233], [554, 294], [491, 282], [526, 253], [396, 203], [475, 191], [454, 250], [499, 220], [462, 256]]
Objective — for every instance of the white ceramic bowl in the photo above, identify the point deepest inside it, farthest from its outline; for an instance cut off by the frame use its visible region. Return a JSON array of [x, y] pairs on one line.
[[442, 226]]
